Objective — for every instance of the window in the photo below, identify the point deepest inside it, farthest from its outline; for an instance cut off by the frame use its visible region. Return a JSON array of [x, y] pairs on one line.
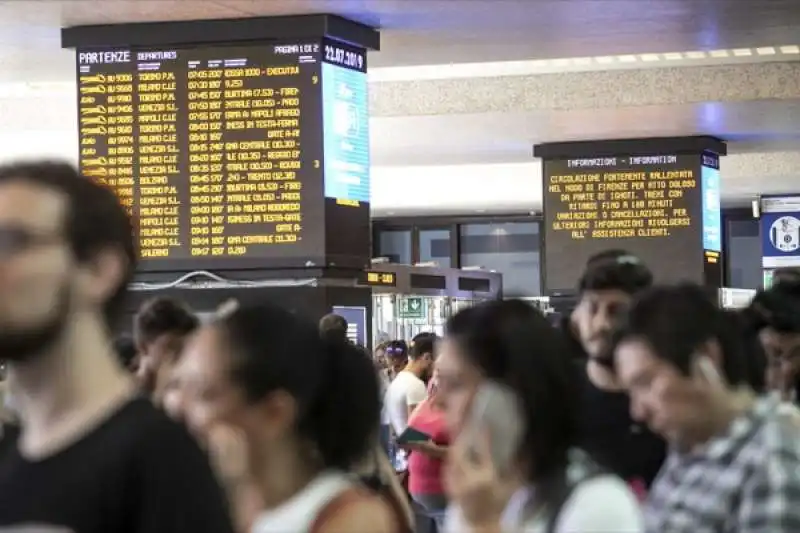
[[743, 256], [434, 245], [511, 248], [396, 245]]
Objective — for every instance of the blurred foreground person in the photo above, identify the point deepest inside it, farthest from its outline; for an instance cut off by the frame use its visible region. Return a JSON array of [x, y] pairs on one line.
[[160, 329], [735, 459], [510, 404], [301, 409], [91, 456], [605, 427]]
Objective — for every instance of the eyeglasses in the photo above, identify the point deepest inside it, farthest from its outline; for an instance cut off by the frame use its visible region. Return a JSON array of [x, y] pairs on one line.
[[15, 240]]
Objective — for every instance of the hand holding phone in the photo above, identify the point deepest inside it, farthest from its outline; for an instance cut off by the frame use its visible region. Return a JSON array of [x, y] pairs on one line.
[[496, 419], [411, 436]]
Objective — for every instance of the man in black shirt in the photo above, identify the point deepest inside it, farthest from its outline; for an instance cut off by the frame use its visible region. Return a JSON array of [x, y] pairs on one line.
[[606, 428], [89, 455]]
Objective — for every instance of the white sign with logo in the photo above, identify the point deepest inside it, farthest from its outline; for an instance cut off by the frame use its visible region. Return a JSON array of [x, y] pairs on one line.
[[780, 231]]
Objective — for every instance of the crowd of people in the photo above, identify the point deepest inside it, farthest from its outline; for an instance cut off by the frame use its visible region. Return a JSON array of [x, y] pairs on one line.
[[650, 409]]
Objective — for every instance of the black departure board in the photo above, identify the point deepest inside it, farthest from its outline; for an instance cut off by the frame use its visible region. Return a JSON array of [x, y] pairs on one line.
[[216, 151], [651, 206]]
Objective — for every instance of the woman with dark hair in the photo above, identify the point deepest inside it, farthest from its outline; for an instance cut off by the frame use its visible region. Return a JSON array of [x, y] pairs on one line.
[[305, 410], [543, 483]]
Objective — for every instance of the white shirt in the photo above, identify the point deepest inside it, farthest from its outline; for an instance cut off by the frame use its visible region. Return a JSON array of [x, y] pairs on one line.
[[597, 505], [299, 513], [405, 391]]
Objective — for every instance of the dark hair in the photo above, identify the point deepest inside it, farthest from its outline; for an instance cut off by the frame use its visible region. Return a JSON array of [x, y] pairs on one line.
[[606, 255], [741, 337], [396, 349], [624, 273], [777, 307], [421, 344], [126, 350], [94, 219], [786, 275], [675, 321], [333, 383], [512, 343], [162, 315], [333, 326]]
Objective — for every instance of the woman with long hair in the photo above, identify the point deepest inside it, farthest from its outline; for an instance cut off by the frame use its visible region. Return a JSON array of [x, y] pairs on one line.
[[507, 391], [298, 412]]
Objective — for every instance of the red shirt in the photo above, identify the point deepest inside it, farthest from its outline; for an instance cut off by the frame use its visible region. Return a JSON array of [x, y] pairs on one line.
[[424, 471]]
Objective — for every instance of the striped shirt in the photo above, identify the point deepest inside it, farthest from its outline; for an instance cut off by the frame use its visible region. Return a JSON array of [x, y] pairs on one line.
[[746, 480]]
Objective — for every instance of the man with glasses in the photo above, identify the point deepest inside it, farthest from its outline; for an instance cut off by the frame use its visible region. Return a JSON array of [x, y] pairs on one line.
[[90, 455]]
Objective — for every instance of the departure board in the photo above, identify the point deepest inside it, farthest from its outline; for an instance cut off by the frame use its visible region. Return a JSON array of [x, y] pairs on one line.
[[651, 206], [218, 152]]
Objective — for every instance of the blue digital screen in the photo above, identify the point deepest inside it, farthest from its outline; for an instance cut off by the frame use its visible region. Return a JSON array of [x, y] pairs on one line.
[[712, 217], [346, 131]]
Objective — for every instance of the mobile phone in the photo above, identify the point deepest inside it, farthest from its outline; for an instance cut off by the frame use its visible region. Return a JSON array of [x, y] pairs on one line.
[[411, 435], [708, 370], [496, 411]]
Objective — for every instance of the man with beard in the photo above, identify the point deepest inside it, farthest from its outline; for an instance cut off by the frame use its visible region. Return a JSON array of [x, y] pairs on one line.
[[606, 430], [408, 388], [90, 455]]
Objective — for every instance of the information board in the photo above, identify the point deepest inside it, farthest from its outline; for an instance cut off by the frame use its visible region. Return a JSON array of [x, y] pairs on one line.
[[649, 205], [218, 152]]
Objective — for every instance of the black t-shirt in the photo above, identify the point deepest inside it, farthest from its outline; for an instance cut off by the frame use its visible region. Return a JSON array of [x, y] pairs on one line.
[[137, 472], [609, 434]]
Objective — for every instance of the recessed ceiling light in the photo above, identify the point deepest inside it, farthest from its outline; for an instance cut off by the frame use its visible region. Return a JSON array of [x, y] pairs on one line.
[[582, 60], [792, 49], [604, 60], [627, 59], [742, 52], [718, 53], [673, 56], [696, 55], [650, 57], [766, 51]]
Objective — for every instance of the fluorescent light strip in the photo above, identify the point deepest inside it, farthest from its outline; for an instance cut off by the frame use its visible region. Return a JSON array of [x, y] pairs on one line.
[[578, 64]]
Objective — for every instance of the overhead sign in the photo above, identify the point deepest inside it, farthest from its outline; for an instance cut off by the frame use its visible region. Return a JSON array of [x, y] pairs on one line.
[[412, 307], [780, 231], [379, 279]]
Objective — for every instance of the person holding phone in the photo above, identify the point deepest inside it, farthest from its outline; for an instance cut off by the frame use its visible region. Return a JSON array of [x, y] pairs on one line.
[[509, 402], [428, 452], [734, 462]]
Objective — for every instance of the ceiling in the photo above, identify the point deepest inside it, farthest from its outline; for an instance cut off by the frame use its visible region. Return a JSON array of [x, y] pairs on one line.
[[439, 32], [418, 32]]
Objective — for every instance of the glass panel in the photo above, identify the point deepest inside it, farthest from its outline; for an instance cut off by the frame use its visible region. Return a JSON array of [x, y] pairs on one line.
[[384, 325], [396, 245], [511, 248], [744, 254], [434, 245]]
